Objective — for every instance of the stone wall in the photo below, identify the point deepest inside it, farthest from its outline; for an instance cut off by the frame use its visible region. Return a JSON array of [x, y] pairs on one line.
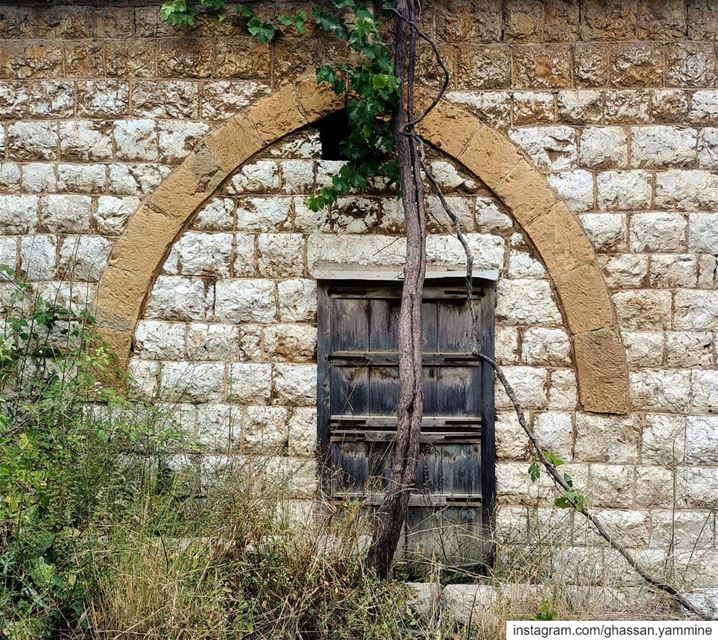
[[616, 102]]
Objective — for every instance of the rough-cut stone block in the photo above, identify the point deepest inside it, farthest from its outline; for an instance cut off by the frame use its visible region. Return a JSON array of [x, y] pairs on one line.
[[664, 439], [606, 231], [165, 99], [85, 140], [673, 271], [245, 301], [263, 214], [702, 440], [529, 384], [611, 485], [280, 254], [212, 341], [554, 432], [686, 190], [303, 431], [177, 139], [563, 392], [624, 190], [661, 389], [511, 441], [192, 381], [643, 309], [690, 64], [82, 178], [695, 309], [135, 179], [66, 214], [624, 270], [703, 233], [84, 257], [551, 148], [542, 346], [575, 188], [102, 98], [249, 383], [39, 177], [38, 258], [201, 254], [295, 384], [704, 387], [603, 147], [112, 213], [636, 65], [662, 146], [526, 302], [160, 340], [297, 300], [216, 215], [176, 298], [657, 231], [33, 140]]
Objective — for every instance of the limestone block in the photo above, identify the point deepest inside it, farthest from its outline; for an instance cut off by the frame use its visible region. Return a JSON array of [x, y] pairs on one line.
[[113, 212], [669, 105], [643, 309], [38, 257], [690, 64], [686, 190], [591, 63], [245, 301], [511, 441], [308, 221], [703, 233], [203, 254], [136, 140], [303, 431], [32, 140], [542, 67], [697, 487], [489, 216], [702, 440], [575, 188], [484, 67], [85, 140], [551, 148], [542, 346], [624, 270], [609, 439], [263, 429], [218, 427], [529, 384], [704, 387], [492, 107], [631, 526], [707, 267], [673, 271], [297, 175], [449, 178], [636, 65], [66, 214], [165, 99], [192, 381], [295, 384], [160, 340], [657, 231], [624, 190], [554, 432], [662, 146], [563, 393], [135, 179], [643, 348], [216, 215], [689, 348], [10, 175], [291, 342], [603, 147], [262, 214], [523, 265], [176, 298], [212, 341], [532, 107], [506, 345], [259, 176], [102, 98], [280, 254], [363, 249], [222, 99], [686, 529], [607, 231], [176, 139], [695, 309], [580, 107], [84, 257], [81, 178], [612, 485], [661, 389], [627, 106], [143, 378], [487, 250], [8, 252], [297, 300], [526, 302], [39, 177], [708, 147], [250, 383], [461, 206]]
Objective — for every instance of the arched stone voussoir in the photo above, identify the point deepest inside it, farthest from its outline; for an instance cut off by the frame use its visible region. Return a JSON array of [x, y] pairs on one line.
[[553, 230]]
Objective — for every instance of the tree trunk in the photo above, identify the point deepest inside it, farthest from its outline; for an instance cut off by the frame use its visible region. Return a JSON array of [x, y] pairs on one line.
[[392, 513]]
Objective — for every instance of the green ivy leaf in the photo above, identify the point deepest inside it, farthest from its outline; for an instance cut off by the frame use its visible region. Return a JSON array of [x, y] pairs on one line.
[[534, 471]]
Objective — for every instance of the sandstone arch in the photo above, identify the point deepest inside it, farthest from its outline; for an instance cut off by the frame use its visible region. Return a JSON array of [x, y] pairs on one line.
[[553, 230]]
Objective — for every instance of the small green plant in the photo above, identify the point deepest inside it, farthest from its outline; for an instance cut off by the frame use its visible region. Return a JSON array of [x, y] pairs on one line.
[[570, 498], [545, 612]]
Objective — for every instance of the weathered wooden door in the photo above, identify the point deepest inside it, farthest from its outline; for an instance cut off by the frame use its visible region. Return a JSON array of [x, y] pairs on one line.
[[450, 509]]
